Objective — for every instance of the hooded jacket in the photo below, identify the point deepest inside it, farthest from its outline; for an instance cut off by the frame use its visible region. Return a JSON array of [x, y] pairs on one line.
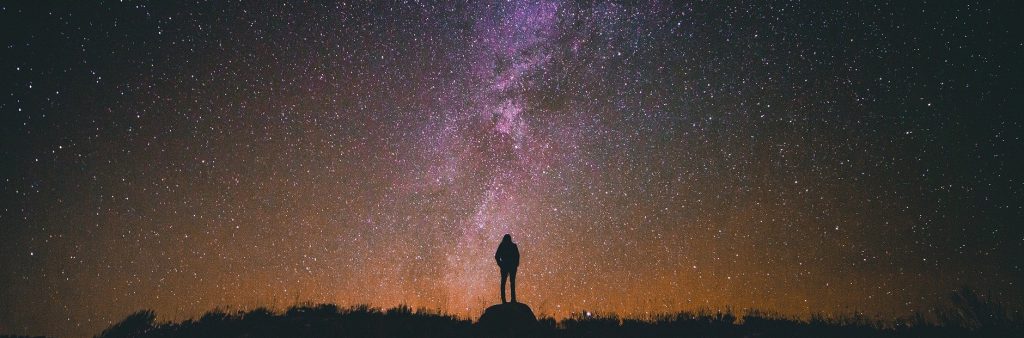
[[507, 255]]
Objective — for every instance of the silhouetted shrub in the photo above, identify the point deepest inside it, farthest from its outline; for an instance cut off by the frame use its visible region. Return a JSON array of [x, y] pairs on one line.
[[972, 310], [136, 324]]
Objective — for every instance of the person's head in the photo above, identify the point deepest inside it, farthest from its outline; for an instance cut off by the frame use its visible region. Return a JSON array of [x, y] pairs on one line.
[[507, 238]]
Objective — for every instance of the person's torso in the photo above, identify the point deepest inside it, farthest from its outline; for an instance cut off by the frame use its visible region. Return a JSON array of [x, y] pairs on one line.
[[509, 255]]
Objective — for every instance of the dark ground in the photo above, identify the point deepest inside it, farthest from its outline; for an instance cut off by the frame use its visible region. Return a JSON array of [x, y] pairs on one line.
[[968, 314]]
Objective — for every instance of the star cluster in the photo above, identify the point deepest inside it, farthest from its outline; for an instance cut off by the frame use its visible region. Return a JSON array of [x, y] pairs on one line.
[[647, 157]]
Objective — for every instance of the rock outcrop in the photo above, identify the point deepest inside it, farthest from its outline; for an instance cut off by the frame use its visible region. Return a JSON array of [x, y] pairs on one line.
[[511, 318]]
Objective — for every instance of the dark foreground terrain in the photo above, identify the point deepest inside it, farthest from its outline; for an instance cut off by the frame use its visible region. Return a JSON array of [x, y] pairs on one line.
[[968, 315], [330, 321]]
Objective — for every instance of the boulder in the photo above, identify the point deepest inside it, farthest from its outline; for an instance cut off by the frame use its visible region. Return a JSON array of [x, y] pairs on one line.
[[513, 318]]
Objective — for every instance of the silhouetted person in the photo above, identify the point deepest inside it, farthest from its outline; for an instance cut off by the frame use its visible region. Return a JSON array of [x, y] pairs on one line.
[[507, 257]]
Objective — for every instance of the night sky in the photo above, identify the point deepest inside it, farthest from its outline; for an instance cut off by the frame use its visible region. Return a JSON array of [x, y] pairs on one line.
[[646, 157]]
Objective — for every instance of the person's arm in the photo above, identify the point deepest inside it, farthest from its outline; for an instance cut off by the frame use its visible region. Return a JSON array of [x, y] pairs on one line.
[[497, 255], [515, 254]]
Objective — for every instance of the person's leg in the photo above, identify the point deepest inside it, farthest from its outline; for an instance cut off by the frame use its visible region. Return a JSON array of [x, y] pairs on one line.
[[504, 275], [513, 273]]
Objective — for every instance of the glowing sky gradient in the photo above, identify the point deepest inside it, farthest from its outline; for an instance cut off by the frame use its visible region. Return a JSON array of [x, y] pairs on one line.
[[649, 157]]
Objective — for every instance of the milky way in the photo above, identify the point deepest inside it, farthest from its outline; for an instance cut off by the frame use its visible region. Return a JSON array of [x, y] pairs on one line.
[[647, 158]]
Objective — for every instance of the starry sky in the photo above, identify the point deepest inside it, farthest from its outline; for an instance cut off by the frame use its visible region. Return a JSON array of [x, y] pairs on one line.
[[647, 157]]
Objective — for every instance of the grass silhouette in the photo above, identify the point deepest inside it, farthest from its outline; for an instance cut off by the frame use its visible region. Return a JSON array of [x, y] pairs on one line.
[[969, 314]]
